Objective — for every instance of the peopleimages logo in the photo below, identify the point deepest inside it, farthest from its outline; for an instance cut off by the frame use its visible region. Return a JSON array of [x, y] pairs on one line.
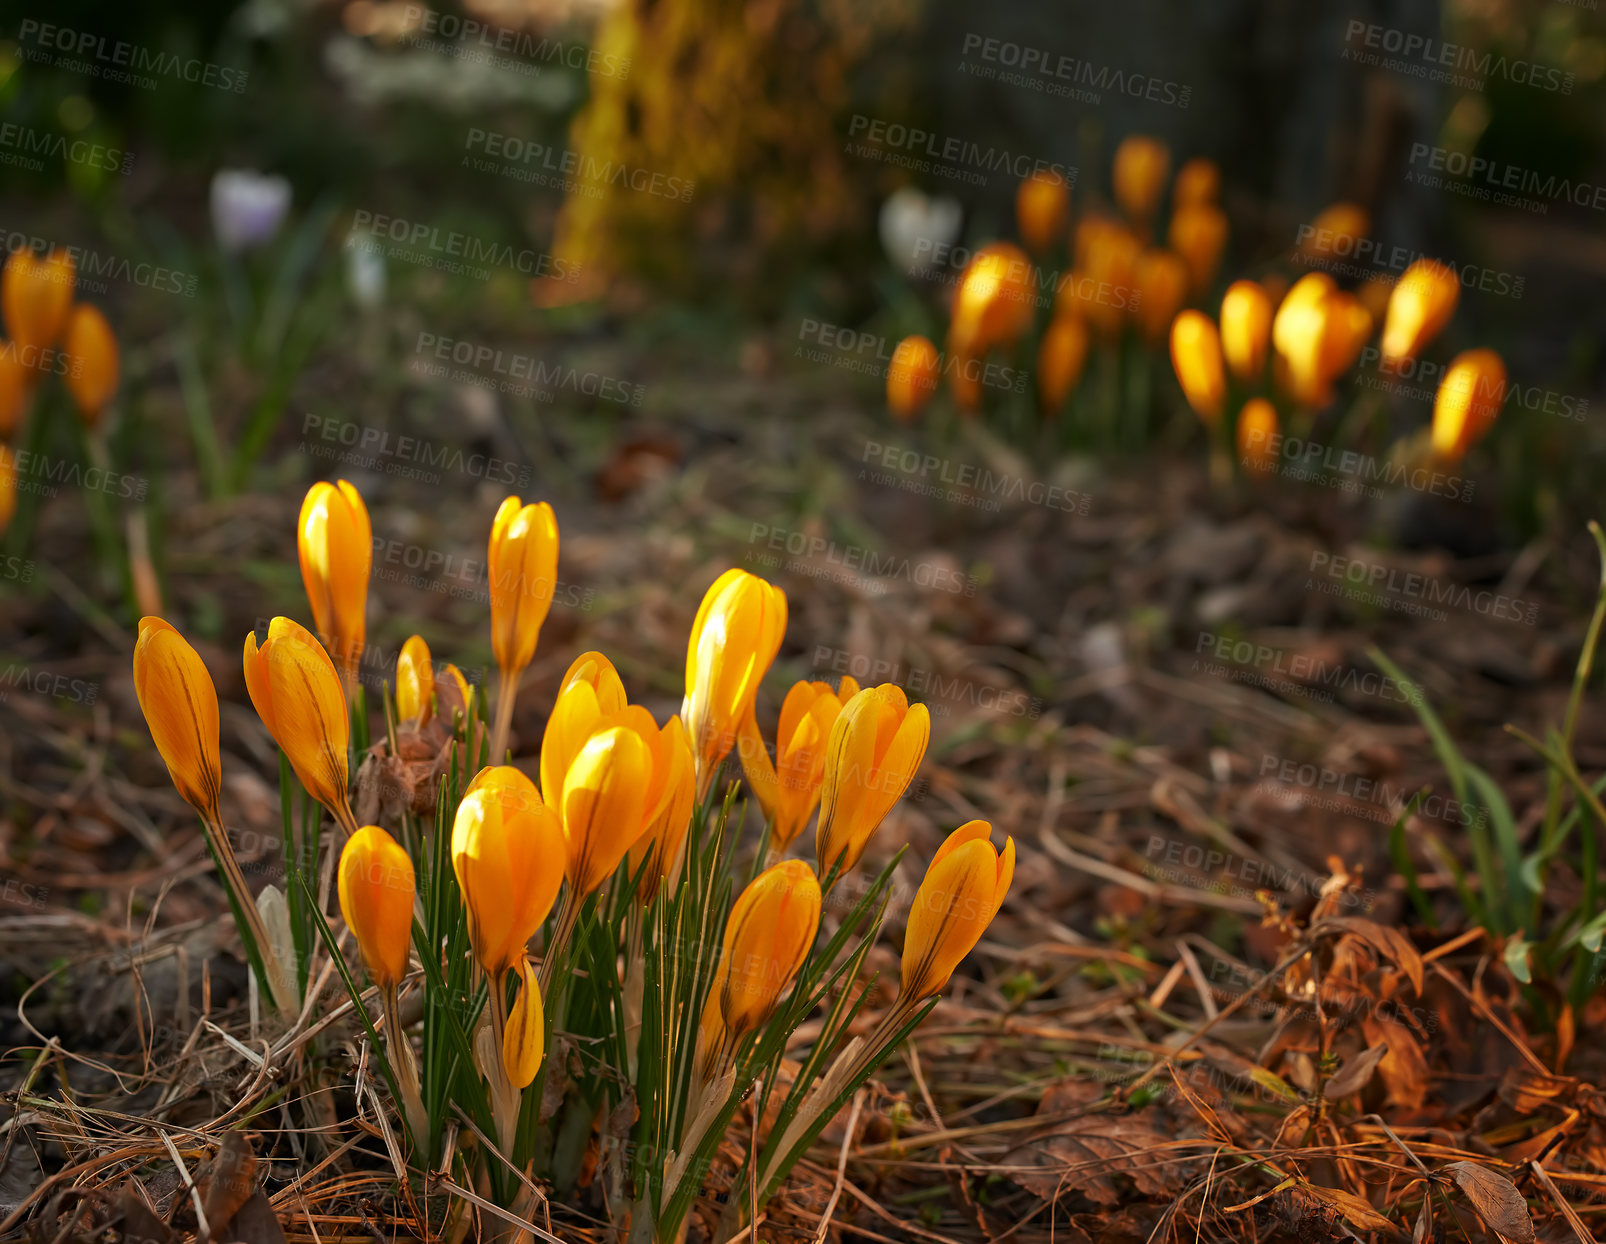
[[118, 61], [1503, 183], [1348, 254], [1279, 776], [871, 353], [29, 143], [469, 39], [1310, 460], [570, 171], [962, 159], [93, 270], [543, 378], [1356, 579], [1420, 379], [1261, 664], [452, 251], [1436, 60], [1058, 73]]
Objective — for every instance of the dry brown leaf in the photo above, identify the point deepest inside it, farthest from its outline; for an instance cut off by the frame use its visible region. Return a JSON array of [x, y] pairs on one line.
[[256, 1223], [228, 1181], [1388, 942], [1356, 1072], [1526, 1089], [1496, 1200], [1359, 1213], [1084, 1154], [1403, 1067]]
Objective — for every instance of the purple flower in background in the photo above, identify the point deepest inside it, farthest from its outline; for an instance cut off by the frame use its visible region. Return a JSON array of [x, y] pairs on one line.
[[247, 207]]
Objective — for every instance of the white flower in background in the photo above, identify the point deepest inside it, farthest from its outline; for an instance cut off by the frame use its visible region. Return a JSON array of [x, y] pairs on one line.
[[914, 228], [365, 271], [247, 207]]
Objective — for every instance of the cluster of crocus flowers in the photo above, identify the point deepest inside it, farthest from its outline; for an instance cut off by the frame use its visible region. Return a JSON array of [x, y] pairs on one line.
[[1116, 280], [334, 541], [522, 564], [51, 334], [581, 855]]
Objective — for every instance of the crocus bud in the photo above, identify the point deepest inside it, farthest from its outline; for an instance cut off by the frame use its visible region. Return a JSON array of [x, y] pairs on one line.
[[1467, 403], [1245, 329], [1162, 282], [789, 789], [180, 705], [589, 696], [36, 294], [376, 898], [961, 893], [605, 801], [524, 1038], [733, 642], [964, 379], [994, 303], [1060, 360], [876, 744], [1199, 234], [1142, 165], [336, 546], [508, 852], [1318, 331], [1198, 181], [296, 692], [1335, 231], [912, 377], [1042, 209], [8, 487], [772, 925], [522, 562], [1420, 306], [1256, 435], [1196, 357], [453, 695], [16, 386], [1101, 287], [415, 682], [667, 809], [92, 362]]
